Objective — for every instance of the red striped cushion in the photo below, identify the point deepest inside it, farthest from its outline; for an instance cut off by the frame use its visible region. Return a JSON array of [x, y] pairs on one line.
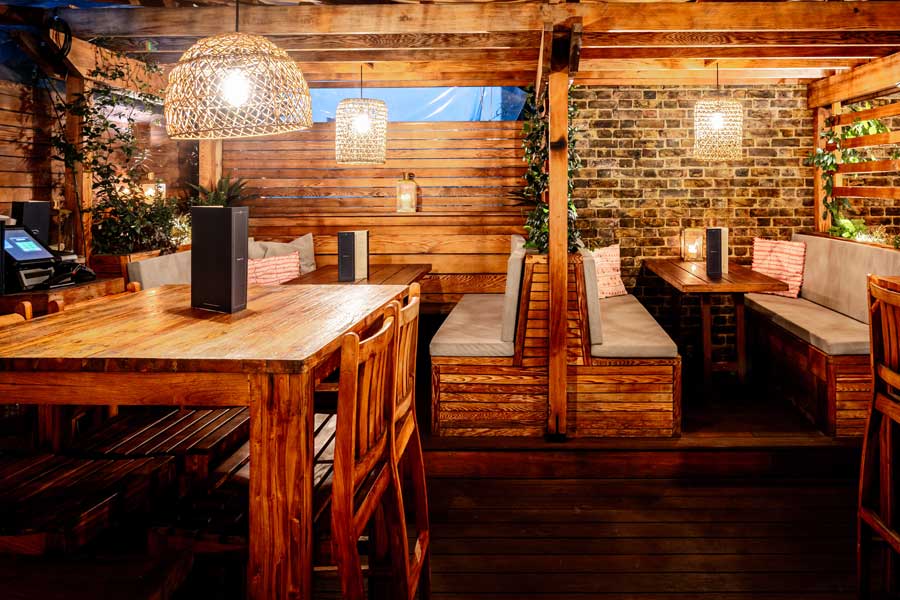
[[273, 270], [608, 263], [781, 260]]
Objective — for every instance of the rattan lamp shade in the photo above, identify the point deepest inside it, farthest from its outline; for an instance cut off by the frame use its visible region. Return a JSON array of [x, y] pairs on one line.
[[360, 131], [235, 85], [718, 130]]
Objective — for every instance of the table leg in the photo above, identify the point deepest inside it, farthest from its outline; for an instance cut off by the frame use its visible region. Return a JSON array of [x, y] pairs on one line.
[[741, 337], [281, 488], [706, 317]]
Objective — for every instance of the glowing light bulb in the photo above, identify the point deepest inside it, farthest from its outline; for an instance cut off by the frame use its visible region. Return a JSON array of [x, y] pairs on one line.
[[361, 123], [235, 88], [717, 120]]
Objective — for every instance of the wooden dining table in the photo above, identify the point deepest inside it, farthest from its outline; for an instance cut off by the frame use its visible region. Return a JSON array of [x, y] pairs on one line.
[[152, 348], [691, 278]]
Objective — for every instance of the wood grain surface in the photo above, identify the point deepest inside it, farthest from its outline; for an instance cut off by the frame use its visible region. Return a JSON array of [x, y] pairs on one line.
[[378, 275], [691, 278]]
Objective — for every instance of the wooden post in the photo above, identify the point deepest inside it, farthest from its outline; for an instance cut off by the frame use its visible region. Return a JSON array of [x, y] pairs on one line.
[[823, 219], [559, 204], [210, 162], [838, 178], [77, 188]]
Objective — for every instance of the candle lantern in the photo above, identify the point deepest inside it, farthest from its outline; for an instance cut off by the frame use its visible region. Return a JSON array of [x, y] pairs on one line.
[[406, 193], [692, 244], [154, 189]]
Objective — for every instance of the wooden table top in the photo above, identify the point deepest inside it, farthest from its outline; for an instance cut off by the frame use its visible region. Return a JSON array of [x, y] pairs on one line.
[[691, 278], [69, 294], [378, 275], [283, 330]]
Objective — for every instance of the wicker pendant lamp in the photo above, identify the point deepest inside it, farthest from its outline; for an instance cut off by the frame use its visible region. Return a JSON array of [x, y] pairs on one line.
[[360, 130], [718, 128], [235, 85]]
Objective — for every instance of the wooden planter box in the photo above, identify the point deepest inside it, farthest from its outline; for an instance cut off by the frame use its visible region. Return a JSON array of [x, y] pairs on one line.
[[116, 265]]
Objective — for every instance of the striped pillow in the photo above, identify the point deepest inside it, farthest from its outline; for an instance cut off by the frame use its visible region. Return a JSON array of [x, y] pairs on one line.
[[609, 272], [781, 260], [273, 270]]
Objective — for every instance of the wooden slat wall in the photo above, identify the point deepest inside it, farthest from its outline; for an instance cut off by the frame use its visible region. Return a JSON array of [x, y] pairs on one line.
[[466, 174], [25, 169]]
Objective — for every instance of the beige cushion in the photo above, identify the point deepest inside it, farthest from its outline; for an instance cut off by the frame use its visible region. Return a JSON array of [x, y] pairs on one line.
[[629, 331], [161, 270], [828, 330], [595, 328], [514, 267], [473, 329], [302, 245], [834, 274], [255, 250]]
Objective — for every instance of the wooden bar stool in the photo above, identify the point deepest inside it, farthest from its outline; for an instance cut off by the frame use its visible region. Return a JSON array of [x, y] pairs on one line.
[[876, 483], [406, 452]]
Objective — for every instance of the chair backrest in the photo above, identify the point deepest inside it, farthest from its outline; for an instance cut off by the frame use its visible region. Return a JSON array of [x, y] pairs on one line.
[[23, 313], [514, 268], [59, 305], [884, 333], [362, 451], [407, 347], [161, 270]]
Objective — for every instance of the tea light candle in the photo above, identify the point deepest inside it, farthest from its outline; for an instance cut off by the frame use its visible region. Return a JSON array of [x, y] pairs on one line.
[[692, 244]]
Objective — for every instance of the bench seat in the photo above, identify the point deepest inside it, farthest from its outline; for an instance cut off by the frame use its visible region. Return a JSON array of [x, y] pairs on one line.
[[826, 329], [629, 331], [473, 328]]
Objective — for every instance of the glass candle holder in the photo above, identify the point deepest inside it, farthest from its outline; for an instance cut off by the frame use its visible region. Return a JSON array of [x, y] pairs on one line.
[[406, 193], [692, 240]]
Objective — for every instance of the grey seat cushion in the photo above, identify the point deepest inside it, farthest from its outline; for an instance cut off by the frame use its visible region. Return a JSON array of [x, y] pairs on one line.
[[629, 331], [514, 267], [303, 245], [835, 270], [473, 329], [592, 293], [828, 330], [168, 269]]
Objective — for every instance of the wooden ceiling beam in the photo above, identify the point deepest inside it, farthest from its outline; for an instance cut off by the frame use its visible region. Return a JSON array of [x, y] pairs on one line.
[[86, 59], [867, 52], [687, 77], [882, 75], [295, 20], [690, 39]]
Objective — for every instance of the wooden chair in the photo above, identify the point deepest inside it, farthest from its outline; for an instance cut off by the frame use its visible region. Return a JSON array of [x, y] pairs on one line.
[[23, 312], [57, 306], [876, 500], [406, 452], [364, 479], [15, 417]]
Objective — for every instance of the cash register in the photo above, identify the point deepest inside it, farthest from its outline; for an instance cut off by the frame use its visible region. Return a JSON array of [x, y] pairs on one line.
[[29, 265]]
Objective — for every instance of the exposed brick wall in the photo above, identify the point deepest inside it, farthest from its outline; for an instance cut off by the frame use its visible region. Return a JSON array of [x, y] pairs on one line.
[[639, 185]]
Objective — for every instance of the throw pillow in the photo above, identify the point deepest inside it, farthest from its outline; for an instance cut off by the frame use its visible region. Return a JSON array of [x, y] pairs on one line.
[[273, 270], [782, 260], [608, 262], [303, 245], [255, 250]]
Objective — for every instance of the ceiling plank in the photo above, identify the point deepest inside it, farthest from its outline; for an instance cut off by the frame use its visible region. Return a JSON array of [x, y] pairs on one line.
[[700, 64], [737, 16], [688, 39], [872, 78], [867, 52], [707, 77]]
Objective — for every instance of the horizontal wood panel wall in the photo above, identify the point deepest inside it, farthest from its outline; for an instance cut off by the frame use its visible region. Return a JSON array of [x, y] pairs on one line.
[[466, 174], [25, 169]]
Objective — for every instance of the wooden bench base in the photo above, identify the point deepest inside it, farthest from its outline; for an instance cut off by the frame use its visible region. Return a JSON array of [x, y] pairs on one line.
[[475, 396], [832, 391]]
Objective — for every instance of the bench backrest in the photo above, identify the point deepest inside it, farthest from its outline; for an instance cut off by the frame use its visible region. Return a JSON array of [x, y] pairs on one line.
[[168, 269], [835, 271]]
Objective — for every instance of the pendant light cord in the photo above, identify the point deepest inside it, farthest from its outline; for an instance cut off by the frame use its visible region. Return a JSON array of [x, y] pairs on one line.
[[360, 81], [237, 16]]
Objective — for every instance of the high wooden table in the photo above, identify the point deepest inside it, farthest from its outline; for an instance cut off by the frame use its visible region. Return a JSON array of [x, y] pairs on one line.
[[691, 278], [378, 275], [69, 295], [153, 348]]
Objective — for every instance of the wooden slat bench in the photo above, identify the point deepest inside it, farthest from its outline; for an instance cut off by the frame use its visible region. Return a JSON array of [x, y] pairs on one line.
[[485, 385], [198, 438], [815, 349], [51, 504]]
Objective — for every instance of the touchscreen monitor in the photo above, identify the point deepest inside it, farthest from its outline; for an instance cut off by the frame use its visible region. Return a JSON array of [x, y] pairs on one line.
[[20, 246]]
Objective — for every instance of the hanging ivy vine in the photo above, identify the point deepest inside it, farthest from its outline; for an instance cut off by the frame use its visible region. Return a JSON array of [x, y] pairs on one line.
[[826, 159], [536, 127]]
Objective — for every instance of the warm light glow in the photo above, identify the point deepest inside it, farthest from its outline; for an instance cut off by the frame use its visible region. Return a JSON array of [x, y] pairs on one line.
[[716, 121], [153, 191], [235, 88], [362, 124], [718, 130]]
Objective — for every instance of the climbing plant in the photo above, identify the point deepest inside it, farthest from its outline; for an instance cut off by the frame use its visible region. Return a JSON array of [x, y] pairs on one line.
[[124, 220], [826, 159], [535, 127]]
